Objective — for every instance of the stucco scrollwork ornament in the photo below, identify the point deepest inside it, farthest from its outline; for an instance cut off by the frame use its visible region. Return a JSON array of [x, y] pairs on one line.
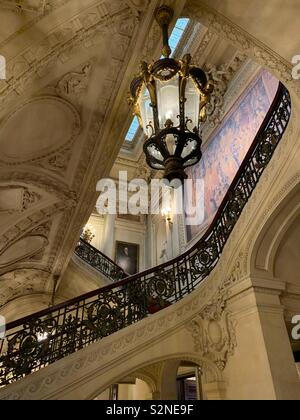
[[29, 198], [213, 332], [75, 83], [221, 76], [237, 273], [250, 46], [17, 199]]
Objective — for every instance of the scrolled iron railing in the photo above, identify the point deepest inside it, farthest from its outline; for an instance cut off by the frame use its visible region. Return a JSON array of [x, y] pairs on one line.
[[43, 338], [99, 261]]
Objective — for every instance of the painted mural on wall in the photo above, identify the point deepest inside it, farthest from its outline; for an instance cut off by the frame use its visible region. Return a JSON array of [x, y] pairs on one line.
[[228, 146]]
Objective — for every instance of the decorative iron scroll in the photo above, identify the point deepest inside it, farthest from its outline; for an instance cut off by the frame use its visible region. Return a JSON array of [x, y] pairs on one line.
[[41, 339], [99, 261]]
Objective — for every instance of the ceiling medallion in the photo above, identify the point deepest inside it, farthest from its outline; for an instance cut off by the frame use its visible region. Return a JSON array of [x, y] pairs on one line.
[[169, 98]]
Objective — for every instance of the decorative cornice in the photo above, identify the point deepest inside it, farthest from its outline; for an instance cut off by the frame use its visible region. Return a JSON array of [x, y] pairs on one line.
[[244, 42]]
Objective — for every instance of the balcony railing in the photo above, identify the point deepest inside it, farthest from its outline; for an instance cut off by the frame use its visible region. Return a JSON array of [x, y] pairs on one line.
[[43, 338], [99, 261]]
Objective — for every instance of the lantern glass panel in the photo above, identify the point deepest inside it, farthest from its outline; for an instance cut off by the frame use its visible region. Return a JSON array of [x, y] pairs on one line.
[[192, 105], [191, 162], [168, 101], [171, 144], [155, 153], [146, 111], [189, 147]]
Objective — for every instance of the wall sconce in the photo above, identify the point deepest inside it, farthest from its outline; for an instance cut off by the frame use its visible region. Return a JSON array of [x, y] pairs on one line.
[[167, 214], [88, 233]]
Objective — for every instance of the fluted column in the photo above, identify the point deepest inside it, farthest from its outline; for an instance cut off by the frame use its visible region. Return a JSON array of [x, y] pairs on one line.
[[169, 237], [149, 243], [109, 236]]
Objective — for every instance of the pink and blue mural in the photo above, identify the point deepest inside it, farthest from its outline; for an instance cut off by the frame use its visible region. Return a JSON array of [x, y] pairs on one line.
[[228, 146]]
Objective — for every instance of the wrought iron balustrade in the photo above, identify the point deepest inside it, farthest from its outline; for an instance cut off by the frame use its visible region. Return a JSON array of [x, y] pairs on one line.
[[43, 338], [99, 261]]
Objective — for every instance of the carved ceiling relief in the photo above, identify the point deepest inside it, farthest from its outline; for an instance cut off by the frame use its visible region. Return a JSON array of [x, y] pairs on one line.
[[21, 283], [30, 237], [27, 135], [25, 246], [17, 199], [73, 85], [60, 45]]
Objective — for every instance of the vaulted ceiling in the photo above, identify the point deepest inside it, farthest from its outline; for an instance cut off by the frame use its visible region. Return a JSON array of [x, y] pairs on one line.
[[62, 114]]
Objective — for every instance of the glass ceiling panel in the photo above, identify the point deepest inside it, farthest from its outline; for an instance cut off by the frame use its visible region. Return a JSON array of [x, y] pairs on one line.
[[132, 130]]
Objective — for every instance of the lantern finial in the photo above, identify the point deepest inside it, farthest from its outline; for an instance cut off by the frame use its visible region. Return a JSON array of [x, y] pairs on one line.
[[164, 16]]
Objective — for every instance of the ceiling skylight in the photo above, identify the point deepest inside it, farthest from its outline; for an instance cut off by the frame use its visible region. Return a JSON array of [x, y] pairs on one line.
[[177, 33], [132, 130], [174, 41]]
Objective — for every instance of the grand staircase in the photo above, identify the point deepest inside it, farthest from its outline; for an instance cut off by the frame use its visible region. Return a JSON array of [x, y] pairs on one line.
[[100, 262], [42, 339]]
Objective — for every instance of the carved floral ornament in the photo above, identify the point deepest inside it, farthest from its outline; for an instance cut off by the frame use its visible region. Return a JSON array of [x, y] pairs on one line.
[[213, 332]]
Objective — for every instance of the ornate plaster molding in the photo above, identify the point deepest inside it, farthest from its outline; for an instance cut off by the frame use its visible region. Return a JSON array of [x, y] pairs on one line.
[[213, 332], [244, 42], [28, 224], [21, 282], [42, 181], [76, 126], [221, 75], [28, 198], [60, 45]]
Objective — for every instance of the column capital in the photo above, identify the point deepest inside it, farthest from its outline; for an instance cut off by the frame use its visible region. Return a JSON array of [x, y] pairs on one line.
[[258, 294]]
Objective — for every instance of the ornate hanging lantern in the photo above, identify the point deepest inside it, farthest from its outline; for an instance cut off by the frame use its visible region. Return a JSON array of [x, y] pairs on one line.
[[169, 98]]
